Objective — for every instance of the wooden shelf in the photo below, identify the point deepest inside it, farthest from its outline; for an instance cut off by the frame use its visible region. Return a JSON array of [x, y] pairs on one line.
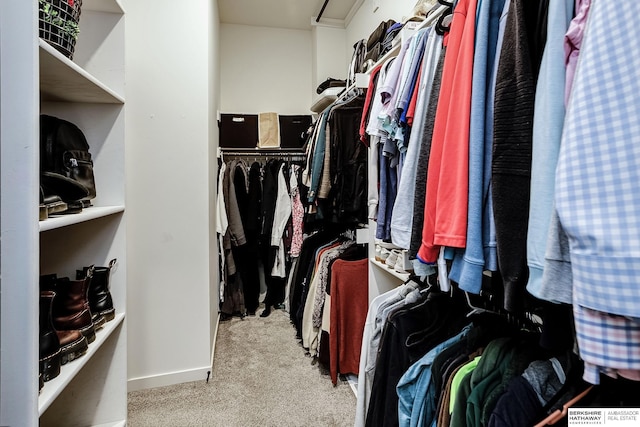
[[53, 388], [63, 80], [87, 214]]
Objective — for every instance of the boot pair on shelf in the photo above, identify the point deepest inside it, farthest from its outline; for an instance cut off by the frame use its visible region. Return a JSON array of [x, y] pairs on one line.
[[70, 313]]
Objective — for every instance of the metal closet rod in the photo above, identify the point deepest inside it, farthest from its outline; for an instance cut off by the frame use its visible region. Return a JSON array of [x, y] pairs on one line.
[[322, 10], [263, 152]]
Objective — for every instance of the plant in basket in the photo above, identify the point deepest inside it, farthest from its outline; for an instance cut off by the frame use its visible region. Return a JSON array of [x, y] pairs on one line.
[[59, 24]]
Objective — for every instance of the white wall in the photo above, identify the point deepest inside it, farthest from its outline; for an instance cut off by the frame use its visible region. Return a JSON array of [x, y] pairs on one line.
[[168, 110], [329, 51], [214, 103], [265, 69]]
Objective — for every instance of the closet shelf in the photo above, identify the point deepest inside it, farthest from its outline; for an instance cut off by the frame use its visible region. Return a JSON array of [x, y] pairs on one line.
[[53, 388], [63, 80], [330, 95], [401, 276], [393, 52], [87, 214], [325, 99]]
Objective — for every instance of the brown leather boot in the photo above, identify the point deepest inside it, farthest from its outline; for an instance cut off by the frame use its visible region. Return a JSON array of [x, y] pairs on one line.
[[72, 345], [49, 343], [71, 306]]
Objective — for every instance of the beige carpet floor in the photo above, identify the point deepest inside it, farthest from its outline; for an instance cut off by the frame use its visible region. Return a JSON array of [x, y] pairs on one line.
[[261, 377]]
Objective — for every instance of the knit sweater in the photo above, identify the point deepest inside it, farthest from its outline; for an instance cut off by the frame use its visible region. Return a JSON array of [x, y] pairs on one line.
[[511, 163]]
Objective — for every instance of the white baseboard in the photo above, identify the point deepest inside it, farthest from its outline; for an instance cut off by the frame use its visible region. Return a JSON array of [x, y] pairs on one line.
[[162, 380], [214, 339], [171, 378], [353, 383]]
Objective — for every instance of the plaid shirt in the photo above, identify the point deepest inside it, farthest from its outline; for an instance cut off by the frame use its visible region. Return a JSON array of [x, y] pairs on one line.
[[598, 175], [608, 344], [598, 191]]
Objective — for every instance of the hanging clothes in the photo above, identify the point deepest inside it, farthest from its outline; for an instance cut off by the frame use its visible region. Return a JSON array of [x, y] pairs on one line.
[[349, 300], [548, 120], [297, 212], [445, 221], [252, 232], [513, 130], [402, 218], [233, 302], [600, 215]]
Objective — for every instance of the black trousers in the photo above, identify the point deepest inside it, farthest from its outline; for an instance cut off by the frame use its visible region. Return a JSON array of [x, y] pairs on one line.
[[275, 285], [246, 259]]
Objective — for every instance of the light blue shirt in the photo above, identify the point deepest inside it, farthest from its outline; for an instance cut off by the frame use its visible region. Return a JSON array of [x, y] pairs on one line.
[[415, 389], [548, 120], [402, 215]]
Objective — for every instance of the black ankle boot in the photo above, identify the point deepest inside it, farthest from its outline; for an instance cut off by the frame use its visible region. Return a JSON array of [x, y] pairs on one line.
[[266, 312], [49, 343], [100, 301]]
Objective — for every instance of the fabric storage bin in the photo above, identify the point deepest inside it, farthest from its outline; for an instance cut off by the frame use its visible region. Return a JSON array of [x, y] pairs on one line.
[[293, 129], [238, 130]]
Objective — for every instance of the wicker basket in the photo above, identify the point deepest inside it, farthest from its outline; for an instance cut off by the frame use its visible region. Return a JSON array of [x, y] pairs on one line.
[[59, 24]]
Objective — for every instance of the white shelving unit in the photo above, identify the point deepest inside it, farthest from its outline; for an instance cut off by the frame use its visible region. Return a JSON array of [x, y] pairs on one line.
[[58, 384], [87, 214], [402, 277], [325, 99], [329, 95], [89, 92]]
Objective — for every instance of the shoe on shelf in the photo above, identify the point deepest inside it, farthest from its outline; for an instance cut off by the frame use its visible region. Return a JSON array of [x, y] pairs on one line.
[[50, 355], [384, 254], [72, 345], [403, 265], [392, 258], [98, 294], [399, 267], [378, 250], [50, 204], [70, 309]]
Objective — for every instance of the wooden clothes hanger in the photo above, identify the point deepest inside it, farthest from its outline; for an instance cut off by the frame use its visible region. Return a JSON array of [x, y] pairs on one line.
[[558, 414]]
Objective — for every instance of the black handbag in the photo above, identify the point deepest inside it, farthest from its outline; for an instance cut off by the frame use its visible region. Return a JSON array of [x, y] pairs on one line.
[[375, 40], [66, 167]]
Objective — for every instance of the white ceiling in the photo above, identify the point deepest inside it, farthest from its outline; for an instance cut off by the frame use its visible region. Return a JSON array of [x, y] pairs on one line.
[[294, 14]]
